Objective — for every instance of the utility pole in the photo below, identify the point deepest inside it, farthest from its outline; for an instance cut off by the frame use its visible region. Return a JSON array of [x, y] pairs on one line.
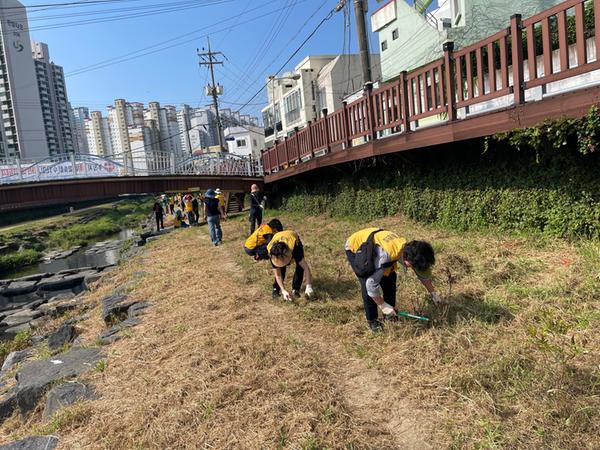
[[363, 42], [209, 59]]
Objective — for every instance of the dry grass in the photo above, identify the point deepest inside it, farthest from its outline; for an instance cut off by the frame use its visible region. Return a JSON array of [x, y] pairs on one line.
[[513, 363]]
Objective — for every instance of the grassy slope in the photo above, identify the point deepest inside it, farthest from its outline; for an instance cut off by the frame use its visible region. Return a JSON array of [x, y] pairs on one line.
[[513, 363]]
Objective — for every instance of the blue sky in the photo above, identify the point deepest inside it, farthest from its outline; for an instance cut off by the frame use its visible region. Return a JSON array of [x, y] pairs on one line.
[[173, 76]]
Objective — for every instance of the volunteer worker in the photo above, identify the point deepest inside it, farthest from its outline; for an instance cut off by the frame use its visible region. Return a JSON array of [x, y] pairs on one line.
[[284, 248], [377, 274], [256, 244]]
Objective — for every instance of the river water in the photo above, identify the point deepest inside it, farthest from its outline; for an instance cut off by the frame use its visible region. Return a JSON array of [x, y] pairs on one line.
[[81, 258]]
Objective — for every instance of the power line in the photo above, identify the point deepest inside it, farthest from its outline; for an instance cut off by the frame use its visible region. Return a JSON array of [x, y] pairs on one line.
[[311, 34]]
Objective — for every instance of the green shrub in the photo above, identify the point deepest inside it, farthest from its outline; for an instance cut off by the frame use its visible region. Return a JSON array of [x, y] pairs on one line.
[[14, 261], [80, 234], [542, 179]]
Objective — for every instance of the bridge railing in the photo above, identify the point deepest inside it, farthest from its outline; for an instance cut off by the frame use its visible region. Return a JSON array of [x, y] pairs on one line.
[[72, 166], [541, 55]]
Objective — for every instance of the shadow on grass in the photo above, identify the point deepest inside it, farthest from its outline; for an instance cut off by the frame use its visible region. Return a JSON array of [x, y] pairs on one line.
[[467, 307], [336, 289]]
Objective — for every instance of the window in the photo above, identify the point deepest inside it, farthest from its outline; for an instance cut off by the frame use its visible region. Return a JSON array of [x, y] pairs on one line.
[[291, 105], [384, 46], [240, 143], [254, 143], [395, 34]]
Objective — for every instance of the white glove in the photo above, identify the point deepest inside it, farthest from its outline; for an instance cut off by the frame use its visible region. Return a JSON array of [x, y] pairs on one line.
[[387, 309], [286, 296], [309, 292], [436, 299]]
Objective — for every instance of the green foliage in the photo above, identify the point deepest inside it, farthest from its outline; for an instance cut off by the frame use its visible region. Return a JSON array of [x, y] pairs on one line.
[[20, 342], [14, 261], [540, 179], [80, 234]]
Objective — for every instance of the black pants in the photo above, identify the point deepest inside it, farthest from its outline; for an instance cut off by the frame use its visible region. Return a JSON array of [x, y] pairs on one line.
[[256, 217], [159, 222], [296, 281], [388, 286]]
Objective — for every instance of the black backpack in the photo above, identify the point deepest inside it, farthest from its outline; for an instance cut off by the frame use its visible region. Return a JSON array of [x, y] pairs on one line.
[[363, 264]]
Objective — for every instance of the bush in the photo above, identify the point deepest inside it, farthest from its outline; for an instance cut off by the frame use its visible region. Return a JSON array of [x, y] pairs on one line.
[[541, 179], [80, 234], [14, 261]]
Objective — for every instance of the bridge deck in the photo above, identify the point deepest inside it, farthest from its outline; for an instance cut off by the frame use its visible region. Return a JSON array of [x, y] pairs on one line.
[[26, 195]]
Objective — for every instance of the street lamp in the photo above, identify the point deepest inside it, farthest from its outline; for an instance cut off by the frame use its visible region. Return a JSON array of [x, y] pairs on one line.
[[272, 79]]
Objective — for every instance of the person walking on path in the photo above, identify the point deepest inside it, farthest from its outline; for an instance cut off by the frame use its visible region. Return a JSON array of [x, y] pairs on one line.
[[196, 209], [189, 209], [221, 197], [257, 205], [256, 244], [374, 255], [159, 212], [285, 248], [212, 215], [172, 204]]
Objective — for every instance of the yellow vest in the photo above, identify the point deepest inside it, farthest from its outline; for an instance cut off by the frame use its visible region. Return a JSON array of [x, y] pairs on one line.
[[189, 207], [288, 237], [257, 238], [390, 242], [221, 199]]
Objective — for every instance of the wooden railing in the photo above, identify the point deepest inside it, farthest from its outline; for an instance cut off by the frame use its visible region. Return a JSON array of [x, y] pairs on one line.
[[552, 46]]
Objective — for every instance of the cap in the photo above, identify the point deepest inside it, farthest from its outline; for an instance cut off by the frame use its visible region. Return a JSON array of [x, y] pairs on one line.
[[282, 261]]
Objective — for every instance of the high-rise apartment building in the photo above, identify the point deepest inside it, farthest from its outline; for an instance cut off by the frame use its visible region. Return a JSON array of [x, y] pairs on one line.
[[78, 117], [54, 101], [98, 136], [22, 131]]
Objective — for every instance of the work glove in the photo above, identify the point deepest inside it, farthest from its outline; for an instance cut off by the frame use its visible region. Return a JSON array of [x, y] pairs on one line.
[[387, 309], [437, 300], [286, 296], [309, 292]]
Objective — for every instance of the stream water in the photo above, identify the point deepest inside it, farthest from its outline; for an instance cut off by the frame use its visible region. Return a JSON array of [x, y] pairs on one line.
[[84, 257]]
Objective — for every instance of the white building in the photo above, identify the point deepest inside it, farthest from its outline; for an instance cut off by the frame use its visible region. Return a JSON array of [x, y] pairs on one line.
[[317, 83], [167, 126], [54, 102], [98, 136], [245, 140], [22, 130], [78, 117]]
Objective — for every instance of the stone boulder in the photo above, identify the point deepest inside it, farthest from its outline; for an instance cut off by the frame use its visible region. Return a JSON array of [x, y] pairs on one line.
[[113, 334], [63, 336], [115, 307], [19, 288], [8, 404], [13, 359], [137, 309], [35, 376], [65, 395], [32, 443]]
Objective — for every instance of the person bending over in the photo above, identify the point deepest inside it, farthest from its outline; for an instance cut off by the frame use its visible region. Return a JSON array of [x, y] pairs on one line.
[[256, 244], [285, 248], [377, 274]]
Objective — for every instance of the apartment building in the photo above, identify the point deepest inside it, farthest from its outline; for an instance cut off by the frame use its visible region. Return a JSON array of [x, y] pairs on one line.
[[22, 132], [411, 35], [79, 116], [54, 102], [98, 135], [317, 83], [166, 124]]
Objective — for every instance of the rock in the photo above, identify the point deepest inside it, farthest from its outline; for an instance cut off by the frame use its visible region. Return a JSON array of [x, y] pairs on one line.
[[64, 335], [64, 395], [8, 334], [59, 282], [34, 277], [36, 323], [137, 309], [112, 334], [35, 376], [13, 359], [115, 307], [21, 318], [32, 443], [8, 404], [64, 296], [19, 288]]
